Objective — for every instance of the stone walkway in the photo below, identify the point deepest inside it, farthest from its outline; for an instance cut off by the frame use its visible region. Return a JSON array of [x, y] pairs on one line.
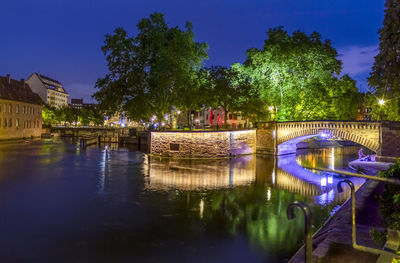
[[332, 242]]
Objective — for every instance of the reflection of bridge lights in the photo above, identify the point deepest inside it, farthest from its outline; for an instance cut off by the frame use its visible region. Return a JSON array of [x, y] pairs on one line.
[[330, 180], [269, 194], [323, 181], [333, 159], [201, 208], [273, 176]]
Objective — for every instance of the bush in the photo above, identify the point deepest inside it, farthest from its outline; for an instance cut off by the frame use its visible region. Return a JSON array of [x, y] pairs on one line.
[[390, 198]]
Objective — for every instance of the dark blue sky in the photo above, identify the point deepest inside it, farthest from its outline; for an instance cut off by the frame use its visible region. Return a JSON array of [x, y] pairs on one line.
[[62, 38]]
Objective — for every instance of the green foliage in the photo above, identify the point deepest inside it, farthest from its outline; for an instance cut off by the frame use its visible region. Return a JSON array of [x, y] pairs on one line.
[[152, 71], [379, 237], [67, 115], [385, 75], [297, 74], [390, 198]]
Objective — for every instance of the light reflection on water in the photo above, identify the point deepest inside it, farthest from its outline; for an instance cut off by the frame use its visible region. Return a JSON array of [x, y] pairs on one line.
[[65, 204]]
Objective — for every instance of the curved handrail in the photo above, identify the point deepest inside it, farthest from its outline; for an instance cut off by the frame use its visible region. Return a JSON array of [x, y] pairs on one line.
[[308, 227]]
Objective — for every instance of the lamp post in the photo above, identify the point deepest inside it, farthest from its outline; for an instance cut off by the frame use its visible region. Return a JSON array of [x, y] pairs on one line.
[[381, 102]]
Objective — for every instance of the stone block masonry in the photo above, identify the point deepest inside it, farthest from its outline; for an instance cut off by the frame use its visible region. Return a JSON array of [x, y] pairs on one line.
[[199, 144]]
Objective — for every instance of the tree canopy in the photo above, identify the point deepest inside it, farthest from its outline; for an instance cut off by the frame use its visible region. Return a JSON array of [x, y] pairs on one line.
[[152, 71], [298, 75], [385, 75]]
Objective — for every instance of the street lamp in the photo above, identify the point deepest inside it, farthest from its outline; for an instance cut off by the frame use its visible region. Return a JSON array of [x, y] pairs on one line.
[[381, 102]]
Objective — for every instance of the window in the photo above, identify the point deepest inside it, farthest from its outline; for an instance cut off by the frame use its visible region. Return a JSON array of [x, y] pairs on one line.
[[5, 123], [37, 124], [174, 147], [9, 108], [16, 122], [10, 123], [17, 109]]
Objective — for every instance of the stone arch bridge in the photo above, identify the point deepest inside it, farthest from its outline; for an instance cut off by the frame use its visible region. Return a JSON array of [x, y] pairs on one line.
[[281, 137]]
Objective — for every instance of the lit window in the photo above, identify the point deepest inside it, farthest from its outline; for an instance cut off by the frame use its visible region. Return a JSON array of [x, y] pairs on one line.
[[16, 123], [17, 109], [9, 108]]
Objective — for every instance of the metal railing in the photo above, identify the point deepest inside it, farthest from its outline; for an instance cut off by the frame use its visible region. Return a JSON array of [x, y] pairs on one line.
[[308, 215]]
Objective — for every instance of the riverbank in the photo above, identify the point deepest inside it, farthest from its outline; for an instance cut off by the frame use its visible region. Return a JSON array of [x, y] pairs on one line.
[[332, 242]]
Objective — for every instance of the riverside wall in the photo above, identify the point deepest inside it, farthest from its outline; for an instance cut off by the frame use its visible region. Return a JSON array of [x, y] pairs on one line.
[[202, 144]]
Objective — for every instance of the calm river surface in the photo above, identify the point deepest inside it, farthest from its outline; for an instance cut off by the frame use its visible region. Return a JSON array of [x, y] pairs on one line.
[[59, 203]]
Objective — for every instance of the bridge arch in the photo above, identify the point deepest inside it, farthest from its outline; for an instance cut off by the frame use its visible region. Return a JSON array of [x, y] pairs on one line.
[[287, 140]]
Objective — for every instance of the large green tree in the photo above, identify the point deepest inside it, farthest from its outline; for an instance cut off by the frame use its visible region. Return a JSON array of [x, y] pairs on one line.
[[151, 72], [297, 76], [385, 75]]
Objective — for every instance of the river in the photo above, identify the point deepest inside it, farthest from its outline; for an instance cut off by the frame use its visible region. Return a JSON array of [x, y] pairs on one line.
[[60, 203]]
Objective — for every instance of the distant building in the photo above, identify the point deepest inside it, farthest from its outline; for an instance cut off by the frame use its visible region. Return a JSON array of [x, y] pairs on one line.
[[50, 91], [78, 104], [20, 110], [209, 117], [364, 112]]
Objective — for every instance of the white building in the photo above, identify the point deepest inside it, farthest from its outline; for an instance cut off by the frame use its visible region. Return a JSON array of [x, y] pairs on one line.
[[51, 91]]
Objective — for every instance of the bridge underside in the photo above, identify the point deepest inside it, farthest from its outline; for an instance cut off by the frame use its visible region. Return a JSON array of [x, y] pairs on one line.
[[290, 146]]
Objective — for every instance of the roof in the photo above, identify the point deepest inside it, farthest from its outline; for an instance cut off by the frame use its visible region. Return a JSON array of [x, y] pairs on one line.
[[48, 79], [18, 92], [49, 83], [76, 101]]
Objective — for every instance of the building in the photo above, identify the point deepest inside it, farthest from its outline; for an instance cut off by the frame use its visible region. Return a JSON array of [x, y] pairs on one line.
[[20, 110], [209, 117], [50, 91], [78, 104]]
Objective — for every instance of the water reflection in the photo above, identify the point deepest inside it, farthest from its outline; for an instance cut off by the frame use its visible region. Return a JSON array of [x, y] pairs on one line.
[[200, 174], [119, 205], [284, 173]]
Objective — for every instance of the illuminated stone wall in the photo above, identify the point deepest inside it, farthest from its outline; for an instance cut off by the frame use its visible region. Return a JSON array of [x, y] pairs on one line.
[[203, 144]]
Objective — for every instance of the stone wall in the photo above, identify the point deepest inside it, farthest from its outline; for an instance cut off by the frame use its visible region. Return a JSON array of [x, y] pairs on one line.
[[19, 120], [203, 144], [390, 141]]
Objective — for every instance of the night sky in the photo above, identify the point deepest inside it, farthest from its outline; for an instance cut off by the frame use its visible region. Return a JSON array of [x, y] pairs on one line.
[[63, 38]]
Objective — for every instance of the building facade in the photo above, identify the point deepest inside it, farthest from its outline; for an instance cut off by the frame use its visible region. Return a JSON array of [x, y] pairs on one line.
[[209, 117], [50, 90], [20, 110], [79, 104]]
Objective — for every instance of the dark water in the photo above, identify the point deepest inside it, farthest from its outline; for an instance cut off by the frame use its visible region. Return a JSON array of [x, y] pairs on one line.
[[59, 203]]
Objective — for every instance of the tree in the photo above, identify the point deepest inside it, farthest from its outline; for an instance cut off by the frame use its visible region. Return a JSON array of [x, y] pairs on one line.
[[147, 73], [385, 75], [298, 76]]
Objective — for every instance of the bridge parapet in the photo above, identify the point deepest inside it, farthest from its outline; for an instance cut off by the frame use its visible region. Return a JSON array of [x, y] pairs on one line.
[[281, 137]]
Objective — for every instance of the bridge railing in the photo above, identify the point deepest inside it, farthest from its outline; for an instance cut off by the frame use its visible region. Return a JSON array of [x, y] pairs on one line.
[[308, 215]]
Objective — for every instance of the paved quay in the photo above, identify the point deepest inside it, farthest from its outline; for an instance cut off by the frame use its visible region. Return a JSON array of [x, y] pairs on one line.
[[332, 242]]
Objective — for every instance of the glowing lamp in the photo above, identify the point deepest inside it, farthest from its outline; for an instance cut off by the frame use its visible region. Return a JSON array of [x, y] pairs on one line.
[[381, 102], [270, 108]]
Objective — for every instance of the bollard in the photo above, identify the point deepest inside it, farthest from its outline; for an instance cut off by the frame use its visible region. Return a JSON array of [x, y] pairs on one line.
[[308, 227]]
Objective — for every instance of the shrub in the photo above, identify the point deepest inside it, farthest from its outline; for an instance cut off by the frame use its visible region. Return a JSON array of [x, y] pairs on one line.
[[390, 198]]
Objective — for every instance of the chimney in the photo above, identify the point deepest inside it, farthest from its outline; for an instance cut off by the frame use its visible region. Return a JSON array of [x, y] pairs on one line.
[[23, 82], [8, 79]]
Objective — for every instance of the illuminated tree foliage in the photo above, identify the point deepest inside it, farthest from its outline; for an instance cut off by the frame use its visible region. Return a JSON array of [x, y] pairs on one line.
[[68, 116], [385, 75], [298, 75], [151, 72]]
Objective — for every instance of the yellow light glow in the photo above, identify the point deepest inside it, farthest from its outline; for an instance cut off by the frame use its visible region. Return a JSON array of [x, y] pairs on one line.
[[381, 102]]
